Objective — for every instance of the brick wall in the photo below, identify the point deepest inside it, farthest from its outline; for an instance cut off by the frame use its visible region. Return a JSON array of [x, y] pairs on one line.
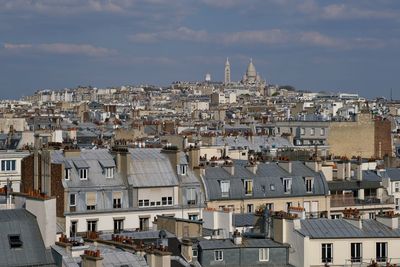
[[383, 138]]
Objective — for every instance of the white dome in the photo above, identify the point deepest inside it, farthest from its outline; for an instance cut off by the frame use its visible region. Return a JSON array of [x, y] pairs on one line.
[[251, 70]]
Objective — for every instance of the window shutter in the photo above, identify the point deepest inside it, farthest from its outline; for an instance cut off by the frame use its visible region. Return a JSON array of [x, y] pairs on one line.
[[91, 199]]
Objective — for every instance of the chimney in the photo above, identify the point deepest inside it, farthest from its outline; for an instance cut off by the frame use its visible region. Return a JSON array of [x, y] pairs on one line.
[[92, 259], [229, 167], [237, 238], [358, 172], [341, 170], [252, 167], [199, 171], [45, 211], [174, 155], [286, 165], [37, 146], [300, 212], [353, 217], [390, 219], [186, 249], [72, 152], [159, 258], [194, 157], [313, 165], [120, 151]]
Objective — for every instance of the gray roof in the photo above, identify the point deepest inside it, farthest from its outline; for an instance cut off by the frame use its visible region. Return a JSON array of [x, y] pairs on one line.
[[256, 143], [353, 185], [246, 242], [393, 174], [151, 168], [340, 228], [244, 219], [267, 174], [33, 251], [372, 176]]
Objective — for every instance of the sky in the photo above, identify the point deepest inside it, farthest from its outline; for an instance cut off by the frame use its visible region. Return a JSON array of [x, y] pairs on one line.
[[317, 45]]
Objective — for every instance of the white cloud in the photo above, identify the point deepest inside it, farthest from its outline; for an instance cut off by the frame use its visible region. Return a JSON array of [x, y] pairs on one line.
[[61, 48]]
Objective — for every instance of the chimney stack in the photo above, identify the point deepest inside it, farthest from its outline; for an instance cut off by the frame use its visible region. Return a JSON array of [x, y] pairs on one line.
[[92, 259], [286, 165]]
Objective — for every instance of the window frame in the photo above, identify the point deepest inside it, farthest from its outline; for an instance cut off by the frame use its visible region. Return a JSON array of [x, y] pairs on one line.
[[309, 182], [9, 165], [70, 200], [263, 254], [287, 188], [218, 255], [67, 174], [380, 257], [109, 172], [356, 253], [248, 191], [84, 171], [325, 254]]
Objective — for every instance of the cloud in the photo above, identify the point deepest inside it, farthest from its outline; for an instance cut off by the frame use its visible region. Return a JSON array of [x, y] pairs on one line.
[[61, 49], [257, 37]]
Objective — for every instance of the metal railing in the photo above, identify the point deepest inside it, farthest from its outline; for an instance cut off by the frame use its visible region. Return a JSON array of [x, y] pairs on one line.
[[353, 201], [362, 262]]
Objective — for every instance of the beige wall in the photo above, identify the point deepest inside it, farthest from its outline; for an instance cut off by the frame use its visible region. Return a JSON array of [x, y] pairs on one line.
[[352, 138], [279, 203]]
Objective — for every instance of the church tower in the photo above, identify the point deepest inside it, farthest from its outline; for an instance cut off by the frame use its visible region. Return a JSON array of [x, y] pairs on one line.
[[227, 72]]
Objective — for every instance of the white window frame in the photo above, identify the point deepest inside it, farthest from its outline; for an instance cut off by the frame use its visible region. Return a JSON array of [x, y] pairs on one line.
[[380, 257], [183, 169], [109, 172], [83, 173], [91, 223], [9, 165], [70, 198], [396, 187], [225, 187], [218, 255], [312, 131], [263, 254], [324, 251], [287, 185], [250, 208], [302, 131], [309, 182], [67, 174], [353, 251], [191, 196]]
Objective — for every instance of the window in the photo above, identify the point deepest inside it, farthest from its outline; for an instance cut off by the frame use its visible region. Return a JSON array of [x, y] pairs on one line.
[[72, 200], [152, 203], [8, 165], [109, 172], [146, 202], [191, 196], [312, 131], [15, 241], [397, 203], [225, 185], [288, 205], [117, 200], [269, 206], [272, 187], [183, 169], [371, 215], [67, 173], [195, 252], [335, 216], [218, 255], [287, 185], [144, 223], [118, 226], [164, 201], [322, 132], [381, 251], [302, 131], [355, 252], [92, 226], [263, 254], [309, 182], [91, 200], [250, 208], [83, 174], [169, 200], [327, 253], [74, 228], [248, 187], [397, 187], [193, 217]]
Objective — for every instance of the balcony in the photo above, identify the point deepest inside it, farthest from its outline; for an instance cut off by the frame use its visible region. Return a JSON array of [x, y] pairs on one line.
[[345, 201]]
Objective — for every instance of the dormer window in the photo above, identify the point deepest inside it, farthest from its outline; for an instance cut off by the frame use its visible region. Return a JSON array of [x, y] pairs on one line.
[[248, 187], [225, 185], [15, 241], [83, 174], [287, 185], [67, 173], [109, 172], [309, 183], [183, 169]]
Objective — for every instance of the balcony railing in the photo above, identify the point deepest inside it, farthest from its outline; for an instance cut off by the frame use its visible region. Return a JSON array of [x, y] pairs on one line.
[[339, 201]]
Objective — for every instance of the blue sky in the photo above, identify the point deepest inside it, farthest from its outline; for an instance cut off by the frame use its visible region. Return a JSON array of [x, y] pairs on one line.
[[346, 46]]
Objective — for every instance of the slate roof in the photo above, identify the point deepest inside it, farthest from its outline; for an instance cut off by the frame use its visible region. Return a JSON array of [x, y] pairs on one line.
[[33, 251], [393, 174], [244, 219], [267, 182], [246, 242], [340, 228], [256, 143], [151, 168]]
